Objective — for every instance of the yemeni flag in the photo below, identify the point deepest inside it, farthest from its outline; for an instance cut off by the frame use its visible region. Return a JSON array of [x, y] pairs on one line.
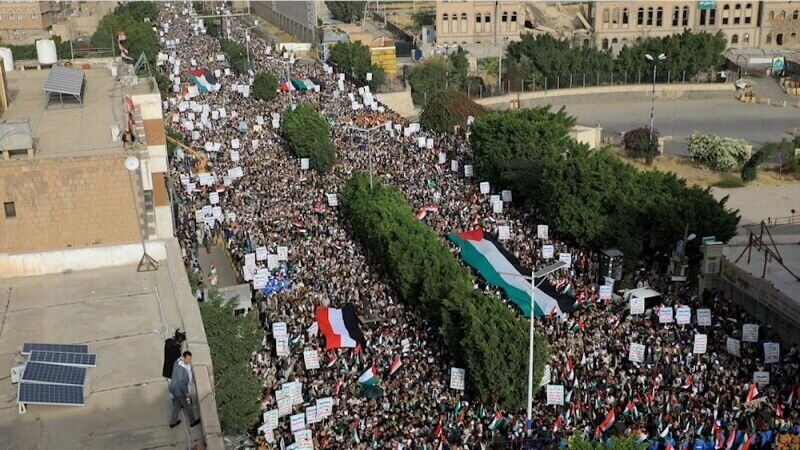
[[204, 79], [731, 438], [425, 210], [687, 384], [483, 252], [340, 327], [752, 393], [606, 424], [395, 365]]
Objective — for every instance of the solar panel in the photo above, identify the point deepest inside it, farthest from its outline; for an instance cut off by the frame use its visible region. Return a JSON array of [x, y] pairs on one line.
[[64, 359], [53, 373], [66, 348], [49, 394]]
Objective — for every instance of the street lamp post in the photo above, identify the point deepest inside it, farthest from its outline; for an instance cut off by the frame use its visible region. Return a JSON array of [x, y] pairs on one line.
[[540, 274], [654, 61], [368, 133]]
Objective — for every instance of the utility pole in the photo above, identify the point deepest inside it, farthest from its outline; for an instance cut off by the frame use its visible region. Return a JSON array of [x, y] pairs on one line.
[[654, 61]]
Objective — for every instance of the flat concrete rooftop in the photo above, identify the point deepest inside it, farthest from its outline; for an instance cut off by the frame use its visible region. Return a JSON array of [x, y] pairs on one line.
[[118, 313], [71, 129]]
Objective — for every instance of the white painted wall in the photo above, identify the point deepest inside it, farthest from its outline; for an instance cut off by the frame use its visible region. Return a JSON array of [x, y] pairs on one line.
[[163, 222], [75, 259]]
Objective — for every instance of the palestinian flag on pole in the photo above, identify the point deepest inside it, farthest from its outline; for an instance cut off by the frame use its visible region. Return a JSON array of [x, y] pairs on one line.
[[340, 327], [368, 377], [204, 79], [483, 252], [496, 421]]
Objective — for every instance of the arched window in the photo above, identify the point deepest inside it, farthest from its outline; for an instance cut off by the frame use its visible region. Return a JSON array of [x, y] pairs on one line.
[[676, 13], [782, 16], [746, 39], [771, 15], [463, 16], [779, 39], [444, 17], [504, 17], [453, 23], [478, 17], [624, 16], [685, 21], [463, 24], [793, 37], [605, 44], [650, 16], [614, 40], [640, 17], [796, 14], [737, 17], [606, 17], [748, 13], [726, 14], [734, 39], [768, 39], [615, 17], [514, 16], [659, 16]]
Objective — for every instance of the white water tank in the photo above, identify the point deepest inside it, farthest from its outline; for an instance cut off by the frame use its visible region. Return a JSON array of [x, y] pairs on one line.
[[8, 58], [46, 51]]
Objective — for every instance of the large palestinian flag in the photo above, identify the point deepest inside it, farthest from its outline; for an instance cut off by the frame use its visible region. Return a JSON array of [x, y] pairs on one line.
[[499, 267], [204, 79], [340, 327]]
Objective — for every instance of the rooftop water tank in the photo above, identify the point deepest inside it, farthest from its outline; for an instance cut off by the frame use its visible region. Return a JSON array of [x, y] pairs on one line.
[[46, 51], [8, 58]]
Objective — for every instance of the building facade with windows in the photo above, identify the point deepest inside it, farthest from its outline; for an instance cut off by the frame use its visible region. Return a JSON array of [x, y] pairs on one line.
[[745, 23], [298, 18], [478, 21], [23, 21]]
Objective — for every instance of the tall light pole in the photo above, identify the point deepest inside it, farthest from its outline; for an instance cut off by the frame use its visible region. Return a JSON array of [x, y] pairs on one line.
[[247, 41], [654, 61], [368, 133], [147, 263], [540, 274]]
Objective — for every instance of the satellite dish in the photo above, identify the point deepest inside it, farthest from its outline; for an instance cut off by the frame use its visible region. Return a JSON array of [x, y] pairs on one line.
[[131, 163]]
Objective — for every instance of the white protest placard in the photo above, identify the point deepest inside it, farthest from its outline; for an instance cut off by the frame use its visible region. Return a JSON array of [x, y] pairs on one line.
[[637, 305], [542, 231], [605, 292], [250, 259], [683, 315], [261, 253], [636, 353], [454, 165], [733, 346], [271, 419], [442, 156], [700, 343], [311, 359], [750, 332], [284, 403], [235, 143], [548, 251], [665, 314], [234, 156], [205, 179], [457, 378], [704, 317], [566, 258], [506, 196], [303, 439], [283, 253], [429, 143], [761, 378], [213, 198], [282, 346], [333, 200], [555, 394], [311, 415], [468, 172], [248, 272], [484, 187], [296, 391], [260, 279], [503, 232], [772, 352], [279, 330], [272, 261], [497, 207], [304, 163], [236, 172], [494, 198], [297, 422], [324, 407]]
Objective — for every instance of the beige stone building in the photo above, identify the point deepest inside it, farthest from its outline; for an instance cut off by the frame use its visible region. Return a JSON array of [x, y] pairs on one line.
[[25, 20], [298, 18], [478, 21], [744, 23]]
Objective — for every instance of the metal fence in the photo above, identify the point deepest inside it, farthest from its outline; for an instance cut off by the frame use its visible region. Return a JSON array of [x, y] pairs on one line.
[[583, 80]]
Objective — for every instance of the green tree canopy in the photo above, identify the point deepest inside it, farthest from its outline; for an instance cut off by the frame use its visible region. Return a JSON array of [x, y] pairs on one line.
[[308, 136], [345, 11], [446, 109], [476, 327], [265, 86], [354, 59], [236, 54], [129, 18], [435, 74]]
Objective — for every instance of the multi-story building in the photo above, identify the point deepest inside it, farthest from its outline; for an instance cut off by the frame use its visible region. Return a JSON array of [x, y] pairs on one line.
[[744, 23], [478, 21], [298, 18], [23, 21]]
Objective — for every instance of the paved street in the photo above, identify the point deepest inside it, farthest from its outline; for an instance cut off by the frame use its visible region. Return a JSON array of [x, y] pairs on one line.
[[225, 275], [756, 124]]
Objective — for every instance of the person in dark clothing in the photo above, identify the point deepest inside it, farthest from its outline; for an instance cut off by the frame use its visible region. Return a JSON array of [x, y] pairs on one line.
[[172, 351]]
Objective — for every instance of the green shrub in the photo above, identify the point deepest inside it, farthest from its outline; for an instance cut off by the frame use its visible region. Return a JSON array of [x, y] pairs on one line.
[[265, 86], [346, 11], [637, 143], [308, 136], [718, 153], [354, 59], [729, 182], [750, 168], [236, 54], [475, 327], [446, 109]]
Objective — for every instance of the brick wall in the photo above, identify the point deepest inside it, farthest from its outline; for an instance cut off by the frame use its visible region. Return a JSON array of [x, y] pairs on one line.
[[66, 202]]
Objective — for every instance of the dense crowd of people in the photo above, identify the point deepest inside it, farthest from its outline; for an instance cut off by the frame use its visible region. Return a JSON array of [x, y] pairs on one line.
[[265, 200]]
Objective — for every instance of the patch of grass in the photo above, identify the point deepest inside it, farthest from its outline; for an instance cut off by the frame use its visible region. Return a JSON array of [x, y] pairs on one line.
[[729, 181]]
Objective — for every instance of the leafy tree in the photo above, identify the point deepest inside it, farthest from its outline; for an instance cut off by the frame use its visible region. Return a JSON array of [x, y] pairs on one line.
[[578, 442], [265, 86], [236, 54], [232, 341], [718, 153], [638, 144], [446, 109], [422, 18], [345, 11], [308, 136], [434, 74], [138, 11], [129, 18], [354, 59], [476, 327], [750, 168]]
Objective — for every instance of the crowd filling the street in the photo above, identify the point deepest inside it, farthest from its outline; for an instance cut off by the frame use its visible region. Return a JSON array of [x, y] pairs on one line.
[[281, 225]]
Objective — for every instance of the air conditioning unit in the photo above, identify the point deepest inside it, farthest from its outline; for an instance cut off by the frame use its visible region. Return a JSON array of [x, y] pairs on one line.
[[16, 373]]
